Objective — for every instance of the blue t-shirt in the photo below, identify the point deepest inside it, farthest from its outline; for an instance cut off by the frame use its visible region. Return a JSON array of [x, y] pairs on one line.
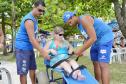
[[103, 31], [22, 40]]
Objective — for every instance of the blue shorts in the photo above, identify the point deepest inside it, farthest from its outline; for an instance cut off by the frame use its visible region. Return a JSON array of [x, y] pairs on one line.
[[25, 60], [101, 53]]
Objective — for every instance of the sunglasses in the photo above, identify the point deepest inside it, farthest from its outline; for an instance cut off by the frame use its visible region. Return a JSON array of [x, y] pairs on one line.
[[40, 10], [61, 34]]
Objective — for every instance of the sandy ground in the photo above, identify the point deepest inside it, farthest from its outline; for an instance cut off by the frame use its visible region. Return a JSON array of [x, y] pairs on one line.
[[11, 67]]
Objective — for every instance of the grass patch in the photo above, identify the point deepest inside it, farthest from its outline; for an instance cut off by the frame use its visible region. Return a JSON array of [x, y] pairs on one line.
[[9, 57], [118, 73]]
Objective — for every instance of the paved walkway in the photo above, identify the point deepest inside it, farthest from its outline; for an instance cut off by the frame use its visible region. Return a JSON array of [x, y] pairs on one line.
[[11, 66]]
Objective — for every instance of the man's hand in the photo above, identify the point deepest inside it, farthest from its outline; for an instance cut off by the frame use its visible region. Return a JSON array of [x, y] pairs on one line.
[[44, 54], [78, 52]]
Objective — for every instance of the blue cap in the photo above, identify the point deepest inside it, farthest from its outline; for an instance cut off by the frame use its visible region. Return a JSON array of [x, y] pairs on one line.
[[67, 15]]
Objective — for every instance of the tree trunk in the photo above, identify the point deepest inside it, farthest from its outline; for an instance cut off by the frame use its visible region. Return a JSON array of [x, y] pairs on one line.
[[3, 29], [120, 13], [13, 23]]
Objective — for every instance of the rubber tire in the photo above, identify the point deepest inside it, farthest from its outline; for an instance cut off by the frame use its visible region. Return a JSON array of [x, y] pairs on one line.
[[42, 78]]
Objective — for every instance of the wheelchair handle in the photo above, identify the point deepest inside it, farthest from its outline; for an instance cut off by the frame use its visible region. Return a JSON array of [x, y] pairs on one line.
[[77, 58]]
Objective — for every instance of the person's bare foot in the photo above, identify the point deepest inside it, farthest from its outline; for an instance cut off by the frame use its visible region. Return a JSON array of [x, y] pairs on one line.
[[80, 76], [77, 75]]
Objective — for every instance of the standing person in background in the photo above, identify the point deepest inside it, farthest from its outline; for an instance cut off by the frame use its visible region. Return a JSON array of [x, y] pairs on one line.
[[119, 40], [99, 37], [43, 36], [43, 40], [26, 41]]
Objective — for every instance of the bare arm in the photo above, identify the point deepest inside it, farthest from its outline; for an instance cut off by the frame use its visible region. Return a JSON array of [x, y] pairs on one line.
[[122, 44], [114, 44], [88, 25], [30, 31]]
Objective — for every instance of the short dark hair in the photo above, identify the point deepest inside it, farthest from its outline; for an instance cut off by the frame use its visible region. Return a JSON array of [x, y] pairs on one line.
[[39, 2]]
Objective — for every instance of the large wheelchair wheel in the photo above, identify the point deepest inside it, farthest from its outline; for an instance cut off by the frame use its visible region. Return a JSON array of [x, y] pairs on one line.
[[64, 82], [41, 78], [5, 76]]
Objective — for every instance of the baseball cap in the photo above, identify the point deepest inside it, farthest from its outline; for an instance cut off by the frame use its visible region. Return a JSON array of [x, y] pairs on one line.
[[67, 15]]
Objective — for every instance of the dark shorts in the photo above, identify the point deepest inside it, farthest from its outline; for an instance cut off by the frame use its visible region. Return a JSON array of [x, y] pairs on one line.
[[102, 52], [25, 60]]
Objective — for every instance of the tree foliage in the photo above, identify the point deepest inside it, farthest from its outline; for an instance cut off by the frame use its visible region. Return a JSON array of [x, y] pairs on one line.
[[55, 10], [120, 13]]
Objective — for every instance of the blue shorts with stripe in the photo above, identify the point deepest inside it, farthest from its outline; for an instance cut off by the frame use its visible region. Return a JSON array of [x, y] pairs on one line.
[[101, 53], [25, 61]]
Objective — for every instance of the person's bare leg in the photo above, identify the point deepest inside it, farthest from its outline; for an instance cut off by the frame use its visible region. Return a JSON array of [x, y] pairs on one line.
[[32, 76], [80, 76], [74, 65], [97, 71], [105, 73], [67, 67], [23, 79]]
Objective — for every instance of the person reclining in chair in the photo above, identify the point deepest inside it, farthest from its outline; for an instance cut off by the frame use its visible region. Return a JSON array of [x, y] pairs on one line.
[[59, 50]]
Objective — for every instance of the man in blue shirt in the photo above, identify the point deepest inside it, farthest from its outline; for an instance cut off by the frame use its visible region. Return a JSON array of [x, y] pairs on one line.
[[26, 40], [99, 37]]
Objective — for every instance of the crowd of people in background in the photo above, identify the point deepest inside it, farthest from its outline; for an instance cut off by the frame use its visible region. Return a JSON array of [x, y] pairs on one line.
[[42, 37], [119, 40]]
